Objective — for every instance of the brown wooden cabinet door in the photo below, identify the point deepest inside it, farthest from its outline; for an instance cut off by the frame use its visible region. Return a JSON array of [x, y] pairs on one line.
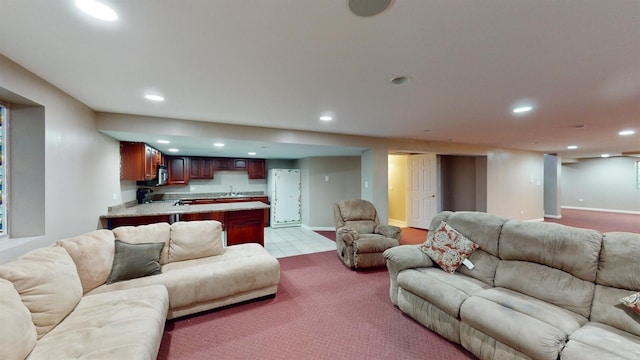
[[245, 227], [138, 161], [178, 168], [200, 168], [215, 215], [257, 169], [240, 164], [223, 164]]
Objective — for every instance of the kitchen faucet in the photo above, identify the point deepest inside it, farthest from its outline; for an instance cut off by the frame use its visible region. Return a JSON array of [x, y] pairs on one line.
[[230, 190]]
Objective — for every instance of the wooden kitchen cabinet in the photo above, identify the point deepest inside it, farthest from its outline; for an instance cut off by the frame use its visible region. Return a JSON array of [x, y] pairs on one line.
[[240, 164], [138, 220], [223, 164], [245, 227], [215, 215], [138, 161], [178, 168], [257, 169], [200, 168]]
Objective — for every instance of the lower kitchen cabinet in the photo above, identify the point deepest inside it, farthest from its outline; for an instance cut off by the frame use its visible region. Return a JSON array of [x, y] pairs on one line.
[[138, 220], [217, 215], [245, 227]]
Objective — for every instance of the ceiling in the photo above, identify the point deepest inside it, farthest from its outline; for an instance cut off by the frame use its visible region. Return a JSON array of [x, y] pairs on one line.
[[284, 63]]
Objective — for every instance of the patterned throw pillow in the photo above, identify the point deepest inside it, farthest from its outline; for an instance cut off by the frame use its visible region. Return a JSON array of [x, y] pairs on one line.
[[632, 301], [447, 247]]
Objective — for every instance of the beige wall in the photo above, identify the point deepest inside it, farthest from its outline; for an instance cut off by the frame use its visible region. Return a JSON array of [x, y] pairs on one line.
[[398, 187], [515, 184], [81, 166]]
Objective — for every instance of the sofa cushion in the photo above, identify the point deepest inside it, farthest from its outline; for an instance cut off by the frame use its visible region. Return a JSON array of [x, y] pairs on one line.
[[479, 227], [531, 326], [572, 250], [116, 325], [357, 209], [93, 255], [447, 247], [48, 284], [195, 239], [545, 283], [373, 243], [619, 266], [446, 291], [132, 261], [159, 232], [596, 341], [17, 333], [607, 309]]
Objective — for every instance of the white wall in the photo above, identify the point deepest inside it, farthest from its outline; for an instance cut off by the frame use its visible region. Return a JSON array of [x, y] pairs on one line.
[[81, 166], [608, 184]]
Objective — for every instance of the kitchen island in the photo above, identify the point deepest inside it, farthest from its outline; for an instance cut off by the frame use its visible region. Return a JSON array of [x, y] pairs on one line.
[[242, 221]]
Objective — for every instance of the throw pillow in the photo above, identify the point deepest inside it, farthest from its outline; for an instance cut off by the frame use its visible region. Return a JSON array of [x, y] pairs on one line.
[[48, 284], [132, 261], [632, 301], [447, 247]]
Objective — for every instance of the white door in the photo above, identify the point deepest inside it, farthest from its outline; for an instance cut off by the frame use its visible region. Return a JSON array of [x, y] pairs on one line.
[[422, 201]]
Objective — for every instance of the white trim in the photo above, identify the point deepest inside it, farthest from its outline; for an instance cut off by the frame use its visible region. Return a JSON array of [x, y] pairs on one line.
[[398, 223], [602, 210], [319, 228], [535, 220], [553, 216]]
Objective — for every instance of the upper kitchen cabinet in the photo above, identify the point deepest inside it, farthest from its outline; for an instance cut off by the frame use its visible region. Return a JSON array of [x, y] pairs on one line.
[[138, 161], [200, 168], [178, 168], [257, 169]]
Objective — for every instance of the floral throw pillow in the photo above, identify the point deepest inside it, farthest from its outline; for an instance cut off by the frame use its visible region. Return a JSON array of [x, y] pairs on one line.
[[447, 247], [632, 301]]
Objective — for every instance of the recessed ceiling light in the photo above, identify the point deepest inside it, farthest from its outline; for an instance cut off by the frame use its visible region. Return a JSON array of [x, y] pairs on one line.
[[97, 9], [401, 80], [326, 117], [173, 150], [605, 155], [522, 109], [163, 141], [218, 144], [251, 153], [626, 132], [572, 147], [153, 97]]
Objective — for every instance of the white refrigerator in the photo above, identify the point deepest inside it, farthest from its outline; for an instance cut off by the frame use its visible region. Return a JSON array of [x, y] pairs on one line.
[[285, 196]]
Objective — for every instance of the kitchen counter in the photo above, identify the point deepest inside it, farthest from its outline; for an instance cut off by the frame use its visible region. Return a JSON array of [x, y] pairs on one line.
[[167, 208], [242, 221]]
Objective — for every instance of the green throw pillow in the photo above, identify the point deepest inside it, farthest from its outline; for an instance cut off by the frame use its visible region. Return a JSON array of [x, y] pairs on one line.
[[132, 261]]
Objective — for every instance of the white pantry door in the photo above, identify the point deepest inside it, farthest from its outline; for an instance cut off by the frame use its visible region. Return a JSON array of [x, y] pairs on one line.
[[422, 191]]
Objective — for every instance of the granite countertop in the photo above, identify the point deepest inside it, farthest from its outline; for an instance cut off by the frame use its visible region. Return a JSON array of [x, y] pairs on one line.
[[167, 208]]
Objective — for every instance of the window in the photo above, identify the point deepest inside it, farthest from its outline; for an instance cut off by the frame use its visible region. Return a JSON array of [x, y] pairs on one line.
[[3, 172]]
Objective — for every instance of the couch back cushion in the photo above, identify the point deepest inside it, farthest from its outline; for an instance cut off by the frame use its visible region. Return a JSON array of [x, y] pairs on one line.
[[48, 284], [159, 232], [484, 230], [17, 333], [195, 239], [551, 262], [617, 277], [93, 255]]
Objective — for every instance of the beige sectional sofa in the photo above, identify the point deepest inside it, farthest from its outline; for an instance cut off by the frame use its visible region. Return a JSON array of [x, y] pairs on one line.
[[95, 297], [532, 290]]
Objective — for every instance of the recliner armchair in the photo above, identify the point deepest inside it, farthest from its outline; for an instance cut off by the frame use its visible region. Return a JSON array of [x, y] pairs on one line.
[[360, 238]]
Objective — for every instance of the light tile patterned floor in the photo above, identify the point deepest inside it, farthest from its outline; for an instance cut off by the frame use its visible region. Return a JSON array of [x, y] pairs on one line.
[[297, 240]]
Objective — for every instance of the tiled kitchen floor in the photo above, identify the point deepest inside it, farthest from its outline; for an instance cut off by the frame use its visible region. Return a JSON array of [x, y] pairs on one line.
[[297, 240]]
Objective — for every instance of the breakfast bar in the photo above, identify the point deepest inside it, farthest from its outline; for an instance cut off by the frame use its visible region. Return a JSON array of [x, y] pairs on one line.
[[242, 221]]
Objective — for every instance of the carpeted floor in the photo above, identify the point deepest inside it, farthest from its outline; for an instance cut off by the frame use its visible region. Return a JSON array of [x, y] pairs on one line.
[[322, 311]]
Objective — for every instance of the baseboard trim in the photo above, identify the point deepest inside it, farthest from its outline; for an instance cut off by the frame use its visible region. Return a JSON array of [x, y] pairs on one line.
[[398, 223], [319, 228], [535, 220], [602, 210], [553, 216]]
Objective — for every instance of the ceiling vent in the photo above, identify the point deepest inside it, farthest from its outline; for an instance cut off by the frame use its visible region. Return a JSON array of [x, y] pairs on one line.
[[367, 8]]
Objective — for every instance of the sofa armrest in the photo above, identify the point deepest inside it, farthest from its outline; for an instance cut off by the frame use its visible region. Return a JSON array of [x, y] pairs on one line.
[[348, 235], [406, 257], [389, 231]]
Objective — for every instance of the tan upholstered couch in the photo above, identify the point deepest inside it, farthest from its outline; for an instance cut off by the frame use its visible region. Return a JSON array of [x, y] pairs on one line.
[[536, 291], [55, 303]]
